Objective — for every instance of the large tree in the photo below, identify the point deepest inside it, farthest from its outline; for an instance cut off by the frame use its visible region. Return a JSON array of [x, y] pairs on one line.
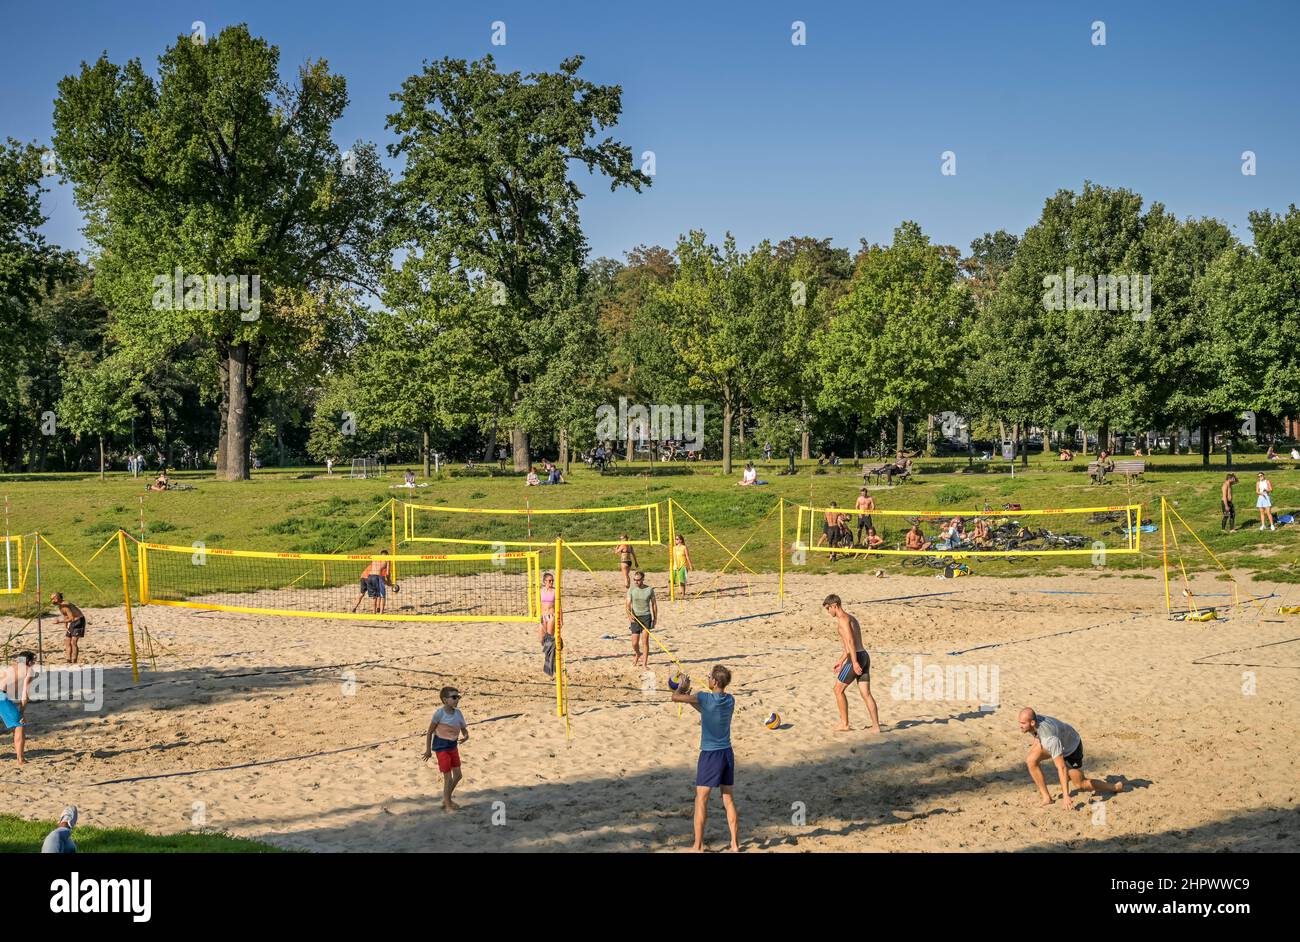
[[218, 167], [488, 194]]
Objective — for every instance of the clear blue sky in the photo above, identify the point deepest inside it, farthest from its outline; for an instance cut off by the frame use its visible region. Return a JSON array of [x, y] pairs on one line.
[[840, 138]]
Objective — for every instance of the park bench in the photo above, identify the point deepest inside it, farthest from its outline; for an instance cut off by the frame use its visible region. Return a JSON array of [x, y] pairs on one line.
[[888, 470], [1130, 468]]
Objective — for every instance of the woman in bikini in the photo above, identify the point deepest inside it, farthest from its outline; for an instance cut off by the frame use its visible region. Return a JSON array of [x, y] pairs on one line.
[[546, 628], [626, 553]]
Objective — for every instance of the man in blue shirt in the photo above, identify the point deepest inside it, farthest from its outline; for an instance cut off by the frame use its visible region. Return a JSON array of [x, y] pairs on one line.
[[717, 764]]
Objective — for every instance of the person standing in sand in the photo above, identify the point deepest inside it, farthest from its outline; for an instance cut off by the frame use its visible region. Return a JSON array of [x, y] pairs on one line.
[[447, 730], [374, 583], [642, 613], [626, 554], [76, 622], [716, 767], [15, 688], [546, 629], [854, 667], [1058, 741]]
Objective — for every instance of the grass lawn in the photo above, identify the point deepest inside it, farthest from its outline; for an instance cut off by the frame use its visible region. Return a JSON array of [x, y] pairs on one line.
[[18, 836], [302, 510]]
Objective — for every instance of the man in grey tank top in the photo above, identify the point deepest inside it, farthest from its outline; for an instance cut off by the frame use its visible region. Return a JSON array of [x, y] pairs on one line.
[[1058, 741]]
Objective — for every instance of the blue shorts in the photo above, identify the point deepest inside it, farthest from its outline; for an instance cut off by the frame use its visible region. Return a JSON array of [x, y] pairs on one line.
[[9, 713], [848, 675], [374, 586], [716, 767]]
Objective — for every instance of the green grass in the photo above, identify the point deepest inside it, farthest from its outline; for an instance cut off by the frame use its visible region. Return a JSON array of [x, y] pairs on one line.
[[18, 836], [301, 510]]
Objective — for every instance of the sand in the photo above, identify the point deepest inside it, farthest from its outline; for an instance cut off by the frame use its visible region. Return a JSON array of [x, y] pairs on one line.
[[308, 734]]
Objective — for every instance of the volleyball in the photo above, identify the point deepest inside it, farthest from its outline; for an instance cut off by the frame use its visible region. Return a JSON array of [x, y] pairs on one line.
[[675, 681], [773, 720]]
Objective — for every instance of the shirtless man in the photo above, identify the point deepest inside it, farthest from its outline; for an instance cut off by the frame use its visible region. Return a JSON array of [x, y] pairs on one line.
[[866, 504], [76, 622], [1229, 521], [374, 582], [916, 540], [15, 685], [1058, 741], [854, 667]]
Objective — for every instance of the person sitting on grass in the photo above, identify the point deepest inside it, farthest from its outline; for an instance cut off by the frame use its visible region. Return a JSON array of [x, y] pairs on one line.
[[447, 730], [950, 537], [915, 539], [160, 482], [408, 478], [531, 480], [1059, 742], [1272, 453], [15, 688], [553, 475], [59, 841], [981, 536], [1065, 455], [750, 477], [1295, 454], [716, 767], [872, 539]]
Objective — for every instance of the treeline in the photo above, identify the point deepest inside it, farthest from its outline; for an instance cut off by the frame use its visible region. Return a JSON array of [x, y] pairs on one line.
[[253, 289]]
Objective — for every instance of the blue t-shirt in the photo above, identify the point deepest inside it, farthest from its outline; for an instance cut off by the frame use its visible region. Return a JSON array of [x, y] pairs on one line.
[[715, 720]]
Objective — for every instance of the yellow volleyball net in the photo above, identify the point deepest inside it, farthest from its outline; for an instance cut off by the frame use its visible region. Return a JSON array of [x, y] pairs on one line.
[[12, 576], [1009, 532], [470, 587], [532, 527]]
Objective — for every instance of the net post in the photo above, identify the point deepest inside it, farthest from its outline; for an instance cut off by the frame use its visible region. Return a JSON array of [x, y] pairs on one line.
[[40, 602], [392, 536], [672, 547], [1164, 551], [780, 553], [126, 603], [559, 646]]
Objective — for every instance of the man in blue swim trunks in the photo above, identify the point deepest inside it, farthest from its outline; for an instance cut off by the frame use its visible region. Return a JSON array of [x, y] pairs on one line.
[[854, 667], [15, 685], [717, 764], [374, 583]]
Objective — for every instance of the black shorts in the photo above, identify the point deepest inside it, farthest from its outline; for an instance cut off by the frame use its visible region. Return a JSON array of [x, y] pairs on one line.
[[646, 621], [77, 628], [848, 675], [864, 521], [1075, 759]]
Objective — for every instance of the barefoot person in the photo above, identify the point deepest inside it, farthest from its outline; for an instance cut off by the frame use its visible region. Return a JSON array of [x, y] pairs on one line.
[[866, 504], [1229, 521], [626, 554], [1264, 500], [642, 613], [71, 616], [716, 767], [447, 730], [546, 629], [374, 583], [681, 562], [15, 687], [854, 667], [1059, 742]]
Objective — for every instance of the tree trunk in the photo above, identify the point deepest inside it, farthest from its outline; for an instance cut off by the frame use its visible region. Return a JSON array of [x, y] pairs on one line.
[[424, 452], [1002, 433], [1024, 449], [898, 433], [740, 414], [726, 435], [489, 449], [101, 457], [563, 457], [929, 434], [628, 450], [519, 445], [223, 413], [237, 416], [805, 440], [1205, 445]]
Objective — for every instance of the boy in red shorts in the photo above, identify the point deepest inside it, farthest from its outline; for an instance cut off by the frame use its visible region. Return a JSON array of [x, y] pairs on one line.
[[447, 724]]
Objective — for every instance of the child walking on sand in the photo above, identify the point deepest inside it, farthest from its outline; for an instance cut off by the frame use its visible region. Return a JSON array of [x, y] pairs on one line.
[[447, 724], [717, 764]]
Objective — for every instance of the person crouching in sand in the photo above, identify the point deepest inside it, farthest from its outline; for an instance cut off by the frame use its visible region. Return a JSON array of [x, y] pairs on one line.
[[1058, 741], [854, 667], [447, 724]]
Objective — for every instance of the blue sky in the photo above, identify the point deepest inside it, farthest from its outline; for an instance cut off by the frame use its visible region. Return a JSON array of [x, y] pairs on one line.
[[840, 137]]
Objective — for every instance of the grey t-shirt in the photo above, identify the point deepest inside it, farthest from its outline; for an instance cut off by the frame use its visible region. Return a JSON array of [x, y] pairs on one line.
[[640, 599], [59, 841], [1058, 738]]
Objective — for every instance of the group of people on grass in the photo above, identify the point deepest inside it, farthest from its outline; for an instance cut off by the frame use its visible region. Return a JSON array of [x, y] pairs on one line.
[[1263, 503], [549, 471]]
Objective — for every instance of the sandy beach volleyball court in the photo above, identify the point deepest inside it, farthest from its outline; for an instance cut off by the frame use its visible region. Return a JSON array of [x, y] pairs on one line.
[[307, 733]]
